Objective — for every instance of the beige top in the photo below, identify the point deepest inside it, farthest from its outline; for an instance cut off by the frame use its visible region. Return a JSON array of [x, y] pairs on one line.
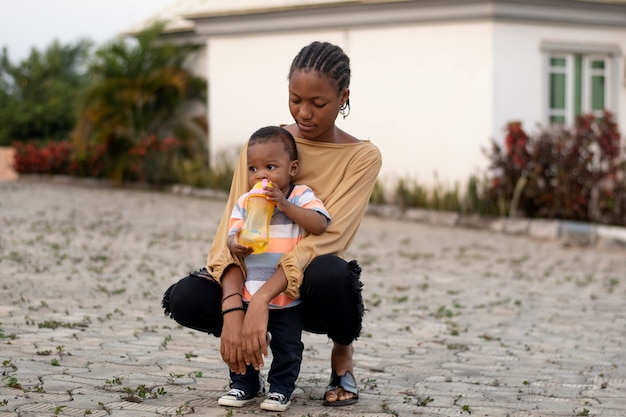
[[342, 175]]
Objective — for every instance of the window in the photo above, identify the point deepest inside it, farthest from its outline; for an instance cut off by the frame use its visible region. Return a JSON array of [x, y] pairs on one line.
[[579, 80]]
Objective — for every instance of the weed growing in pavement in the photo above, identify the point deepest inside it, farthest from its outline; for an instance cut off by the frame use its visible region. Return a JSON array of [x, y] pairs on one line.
[[452, 327], [11, 382], [611, 283], [369, 383], [185, 407], [55, 324], [375, 300], [174, 376], [142, 392], [419, 401], [165, 341], [116, 380], [443, 311], [402, 299], [605, 378], [388, 410], [415, 256]]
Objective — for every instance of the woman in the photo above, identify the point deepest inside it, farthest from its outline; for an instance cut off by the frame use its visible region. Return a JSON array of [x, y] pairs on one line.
[[342, 171]]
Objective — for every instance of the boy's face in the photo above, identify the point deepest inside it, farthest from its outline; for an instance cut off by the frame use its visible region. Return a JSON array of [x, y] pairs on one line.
[[270, 161]]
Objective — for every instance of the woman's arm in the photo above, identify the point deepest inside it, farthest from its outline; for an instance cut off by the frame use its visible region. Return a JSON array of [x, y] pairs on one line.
[[255, 323], [346, 204], [219, 256]]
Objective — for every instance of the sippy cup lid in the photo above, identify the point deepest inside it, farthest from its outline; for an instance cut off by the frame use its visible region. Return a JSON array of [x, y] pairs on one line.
[[258, 187]]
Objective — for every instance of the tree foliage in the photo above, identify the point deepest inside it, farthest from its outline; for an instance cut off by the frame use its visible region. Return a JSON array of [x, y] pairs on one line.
[[38, 96], [140, 88]]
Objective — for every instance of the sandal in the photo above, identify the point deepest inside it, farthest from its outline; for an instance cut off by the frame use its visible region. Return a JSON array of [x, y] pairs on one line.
[[348, 383]]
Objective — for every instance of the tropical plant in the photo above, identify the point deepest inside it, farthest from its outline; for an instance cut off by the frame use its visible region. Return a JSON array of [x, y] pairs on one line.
[[38, 96], [140, 90]]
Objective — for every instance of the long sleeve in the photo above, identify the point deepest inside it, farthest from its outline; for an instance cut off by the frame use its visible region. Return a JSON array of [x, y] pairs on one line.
[[219, 255], [343, 179]]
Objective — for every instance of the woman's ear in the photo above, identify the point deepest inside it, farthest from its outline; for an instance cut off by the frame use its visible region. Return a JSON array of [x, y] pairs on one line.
[[344, 96]]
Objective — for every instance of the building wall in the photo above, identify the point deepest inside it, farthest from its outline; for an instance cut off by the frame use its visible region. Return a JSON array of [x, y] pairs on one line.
[[427, 104], [431, 96], [248, 84], [519, 69], [424, 94]]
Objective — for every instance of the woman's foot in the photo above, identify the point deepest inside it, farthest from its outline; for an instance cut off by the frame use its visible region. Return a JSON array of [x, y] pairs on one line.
[[341, 362]]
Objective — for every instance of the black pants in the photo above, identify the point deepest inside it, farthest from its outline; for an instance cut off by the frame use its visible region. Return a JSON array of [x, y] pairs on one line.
[[331, 300]]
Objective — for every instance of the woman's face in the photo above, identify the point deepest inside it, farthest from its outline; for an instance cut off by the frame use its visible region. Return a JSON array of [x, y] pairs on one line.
[[314, 104]]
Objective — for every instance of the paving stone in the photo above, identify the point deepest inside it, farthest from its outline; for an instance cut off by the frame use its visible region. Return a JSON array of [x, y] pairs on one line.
[[500, 317]]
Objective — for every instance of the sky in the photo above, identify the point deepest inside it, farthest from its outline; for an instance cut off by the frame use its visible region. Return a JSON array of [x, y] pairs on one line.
[[37, 23]]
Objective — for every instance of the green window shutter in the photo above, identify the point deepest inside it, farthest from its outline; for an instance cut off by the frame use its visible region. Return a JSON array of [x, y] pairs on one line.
[[557, 91], [597, 85], [578, 85]]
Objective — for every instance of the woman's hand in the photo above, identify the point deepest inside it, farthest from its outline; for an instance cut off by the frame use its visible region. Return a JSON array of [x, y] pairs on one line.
[[254, 329], [254, 332], [232, 343]]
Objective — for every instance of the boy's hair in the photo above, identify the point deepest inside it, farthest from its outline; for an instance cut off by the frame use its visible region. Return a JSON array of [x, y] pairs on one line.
[[269, 134], [325, 58]]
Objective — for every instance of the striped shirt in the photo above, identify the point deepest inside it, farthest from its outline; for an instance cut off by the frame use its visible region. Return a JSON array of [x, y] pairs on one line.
[[284, 235]]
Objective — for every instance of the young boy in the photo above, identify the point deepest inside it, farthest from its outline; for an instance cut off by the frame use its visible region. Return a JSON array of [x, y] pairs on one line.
[[272, 156]]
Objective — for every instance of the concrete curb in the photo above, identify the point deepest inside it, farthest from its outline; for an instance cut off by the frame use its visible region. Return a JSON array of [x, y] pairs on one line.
[[569, 232]]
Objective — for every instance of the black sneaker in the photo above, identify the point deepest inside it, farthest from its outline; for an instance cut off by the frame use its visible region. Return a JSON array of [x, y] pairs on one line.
[[236, 398], [275, 402]]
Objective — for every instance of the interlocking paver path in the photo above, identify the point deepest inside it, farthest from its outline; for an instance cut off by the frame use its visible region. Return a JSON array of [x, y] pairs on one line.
[[460, 322]]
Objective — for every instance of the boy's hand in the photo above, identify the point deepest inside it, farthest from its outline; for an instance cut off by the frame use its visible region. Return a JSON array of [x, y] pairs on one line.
[[237, 248], [276, 195]]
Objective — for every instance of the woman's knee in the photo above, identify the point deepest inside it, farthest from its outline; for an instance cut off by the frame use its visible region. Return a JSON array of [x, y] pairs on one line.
[[330, 273], [191, 301]]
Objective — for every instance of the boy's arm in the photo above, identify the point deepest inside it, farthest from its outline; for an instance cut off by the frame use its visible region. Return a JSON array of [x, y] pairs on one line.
[[310, 220], [306, 210]]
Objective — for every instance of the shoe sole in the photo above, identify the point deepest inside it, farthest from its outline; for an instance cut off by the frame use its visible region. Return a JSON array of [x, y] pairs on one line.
[[233, 402], [275, 406]]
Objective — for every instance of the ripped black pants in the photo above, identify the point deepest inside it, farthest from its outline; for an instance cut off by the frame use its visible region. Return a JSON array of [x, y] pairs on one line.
[[330, 292]]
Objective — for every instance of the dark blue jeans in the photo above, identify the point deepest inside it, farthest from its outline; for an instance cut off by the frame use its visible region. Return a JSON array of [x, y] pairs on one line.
[[285, 326]]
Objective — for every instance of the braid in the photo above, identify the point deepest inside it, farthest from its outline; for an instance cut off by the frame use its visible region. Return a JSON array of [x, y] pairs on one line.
[[324, 58]]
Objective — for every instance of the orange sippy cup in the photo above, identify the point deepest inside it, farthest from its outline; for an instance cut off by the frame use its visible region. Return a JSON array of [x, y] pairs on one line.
[[256, 227]]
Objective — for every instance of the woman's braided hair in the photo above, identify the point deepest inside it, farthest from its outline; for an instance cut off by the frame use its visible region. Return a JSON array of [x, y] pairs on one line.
[[324, 58]]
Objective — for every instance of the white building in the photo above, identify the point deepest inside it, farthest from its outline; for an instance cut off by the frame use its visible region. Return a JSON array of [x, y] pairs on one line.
[[433, 80]]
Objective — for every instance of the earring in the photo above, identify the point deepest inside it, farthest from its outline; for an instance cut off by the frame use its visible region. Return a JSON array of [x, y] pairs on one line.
[[344, 109]]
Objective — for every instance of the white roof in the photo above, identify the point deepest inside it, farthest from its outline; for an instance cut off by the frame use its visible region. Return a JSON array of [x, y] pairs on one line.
[[180, 14]]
